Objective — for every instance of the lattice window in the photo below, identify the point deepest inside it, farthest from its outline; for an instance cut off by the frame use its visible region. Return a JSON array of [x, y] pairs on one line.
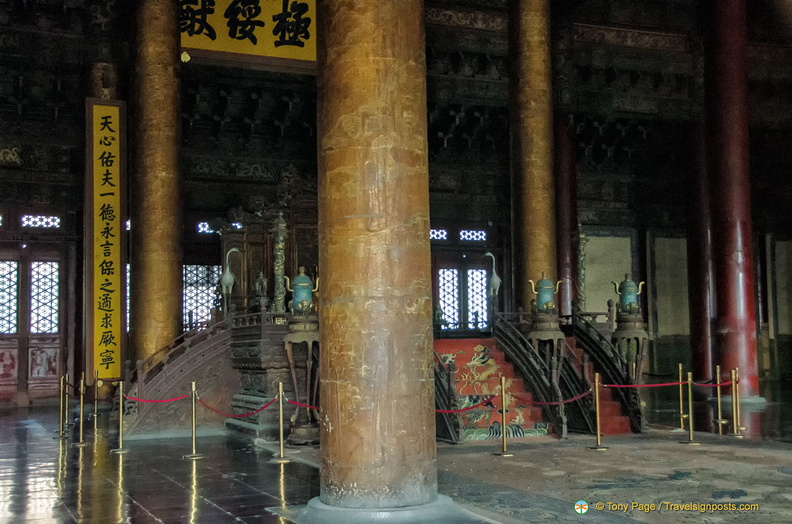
[[129, 225], [9, 285], [478, 315], [448, 287], [41, 221], [200, 283], [44, 297], [476, 235], [204, 227], [236, 225], [438, 234], [1, 220]]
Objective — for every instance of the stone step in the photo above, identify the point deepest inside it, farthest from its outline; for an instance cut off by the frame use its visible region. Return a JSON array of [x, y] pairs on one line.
[[610, 408], [486, 416], [490, 386], [479, 365], [618, 425], [494, 432]]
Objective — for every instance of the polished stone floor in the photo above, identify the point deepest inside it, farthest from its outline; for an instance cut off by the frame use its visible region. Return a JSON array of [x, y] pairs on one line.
[[44, 479]]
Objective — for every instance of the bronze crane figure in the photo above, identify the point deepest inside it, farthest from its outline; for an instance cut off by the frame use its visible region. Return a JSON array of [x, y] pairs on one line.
[[227, 279], [494, 281]]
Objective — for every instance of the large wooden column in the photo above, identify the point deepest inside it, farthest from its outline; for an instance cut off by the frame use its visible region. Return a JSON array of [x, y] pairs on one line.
[[566, 211], [377, 387], [732, 247], [532, 144], [701, 278], [155, 203]]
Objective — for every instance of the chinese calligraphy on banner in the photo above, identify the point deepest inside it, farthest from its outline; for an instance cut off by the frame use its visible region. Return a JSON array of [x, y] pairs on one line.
[[276, 29], [105, 273]]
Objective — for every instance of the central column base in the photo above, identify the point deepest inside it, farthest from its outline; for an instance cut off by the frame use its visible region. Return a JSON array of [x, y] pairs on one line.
[[303, 435], [441, 511]]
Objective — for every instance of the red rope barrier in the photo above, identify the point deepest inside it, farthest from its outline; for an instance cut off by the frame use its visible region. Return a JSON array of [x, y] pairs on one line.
[[156, 401], [578, 397], [465, 409], [437, 410], [642, 385], [230, 415], [301, 404], [666, 384]]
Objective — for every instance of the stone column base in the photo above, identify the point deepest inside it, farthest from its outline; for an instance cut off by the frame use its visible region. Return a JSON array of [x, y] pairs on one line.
[[441, 511]]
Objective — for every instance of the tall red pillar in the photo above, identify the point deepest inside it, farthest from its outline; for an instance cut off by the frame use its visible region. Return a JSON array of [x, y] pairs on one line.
[[701, 278], [566, 210], [726, 95]]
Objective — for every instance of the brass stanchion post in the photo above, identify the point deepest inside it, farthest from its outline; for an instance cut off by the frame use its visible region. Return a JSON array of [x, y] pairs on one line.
[[120, 448], [682, 414], [720, 420], [66, 422], [599, 446], [739, 406], [503, 452], [97, 383], [734, 401], [281, 458], [96, 393], [194, 398], [81, 443], [59, 431], [690, 411]]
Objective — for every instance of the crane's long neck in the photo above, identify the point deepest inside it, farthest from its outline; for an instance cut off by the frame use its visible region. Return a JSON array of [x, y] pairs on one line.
[[228, 257], [493, 263]]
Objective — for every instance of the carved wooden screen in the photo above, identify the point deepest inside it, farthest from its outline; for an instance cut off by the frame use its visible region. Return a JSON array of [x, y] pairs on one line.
[[462, 294], [9, 283], [9, 325], [200, 294], [460, 278], [32, 313]]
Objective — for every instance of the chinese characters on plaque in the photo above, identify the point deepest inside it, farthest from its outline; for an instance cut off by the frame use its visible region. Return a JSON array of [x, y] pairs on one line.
[[105, 269], [267, 28]]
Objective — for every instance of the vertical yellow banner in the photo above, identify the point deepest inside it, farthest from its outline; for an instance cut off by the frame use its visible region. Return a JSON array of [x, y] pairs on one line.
[[105, 221]]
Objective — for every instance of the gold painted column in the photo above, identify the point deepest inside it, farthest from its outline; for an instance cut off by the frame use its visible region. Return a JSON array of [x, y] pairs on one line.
[[377, 385], [155, 252], [532, 144]]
